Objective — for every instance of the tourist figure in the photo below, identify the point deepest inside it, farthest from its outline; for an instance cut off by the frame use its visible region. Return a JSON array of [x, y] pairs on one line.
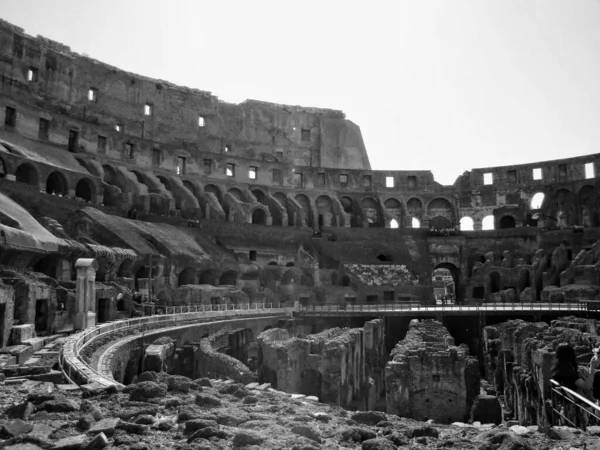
[[565, 370]]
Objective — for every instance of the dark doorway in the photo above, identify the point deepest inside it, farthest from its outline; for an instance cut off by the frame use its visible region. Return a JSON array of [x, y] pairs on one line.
[[507, 222], [494, 282], [103, 310], [478, 292], [372, 298], [41, 315], [388, 296], [73, 140]]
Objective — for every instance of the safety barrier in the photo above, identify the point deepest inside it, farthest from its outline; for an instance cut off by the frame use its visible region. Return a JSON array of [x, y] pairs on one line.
[[571, 409], [416, 307], [152, 309], [77, 371]]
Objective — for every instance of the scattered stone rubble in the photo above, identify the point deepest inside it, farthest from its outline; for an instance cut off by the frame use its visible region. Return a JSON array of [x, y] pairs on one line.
[[160, 411]]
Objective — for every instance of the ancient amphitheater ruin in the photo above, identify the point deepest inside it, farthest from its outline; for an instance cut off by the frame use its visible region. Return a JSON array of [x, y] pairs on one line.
[[181, 272]]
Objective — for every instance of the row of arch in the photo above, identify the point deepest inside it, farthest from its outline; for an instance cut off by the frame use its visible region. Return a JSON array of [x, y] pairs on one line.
[[56, 182]]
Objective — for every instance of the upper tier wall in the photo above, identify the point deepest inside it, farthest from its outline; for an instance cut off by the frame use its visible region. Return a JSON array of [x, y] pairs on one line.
[[47, 87], [94, 98]]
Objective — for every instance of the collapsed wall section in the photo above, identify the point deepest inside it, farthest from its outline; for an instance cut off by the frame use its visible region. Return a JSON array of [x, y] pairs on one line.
[[340, 366], [519, 357], [428, 377]]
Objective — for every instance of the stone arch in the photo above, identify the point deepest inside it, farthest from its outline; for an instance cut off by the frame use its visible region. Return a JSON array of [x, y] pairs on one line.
[[394, 211], [259, 217], [125, 269], [207, 277], [324, 206], [585, 197], [235, 192], [283, 201], [138, 176], [488, 223], [537, 200], [455, 272], [563, 205], [441, 207], [48, 265], [186, 276], [213, 189], [191, 187], [28, 174], [228, 278], [259, 195], [56, 183], [466, 224], [507, 221], [371, 211], [85, 189], [415, 223], [304, 203], [291, 276], [414, 209], [394, 224], [348, 207], [524, 280], [440, 223]]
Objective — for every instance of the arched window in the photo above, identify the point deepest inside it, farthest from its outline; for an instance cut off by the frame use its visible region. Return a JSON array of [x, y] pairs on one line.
[[415, 223], [487, 223], [537, 200], [394, 223], [508, 222], [466, 224]]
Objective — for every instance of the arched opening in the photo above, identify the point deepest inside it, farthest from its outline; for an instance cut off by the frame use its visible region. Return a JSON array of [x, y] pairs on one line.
[[445, 280], [371, 211], [84, 189], [235, 192], [346, 203], [143, 273], [212, 189], [272, 263], [440, 223], [125, 269], [228, 279], [138, 176], [191, 187], [487, 223], [259, 217], [537, 200], [290, 264], [57, 184], [304, 203], [27, 174], [394, 223], [466, 224], [507, 222], [524, 280], [187, 276], [415, 223], [283, 201], [345, 280], [259, 195], [414, 208], [394, 210], [48, 265], [385, 257], [207, 277], [324, 210], [441, 207], [494, 282]]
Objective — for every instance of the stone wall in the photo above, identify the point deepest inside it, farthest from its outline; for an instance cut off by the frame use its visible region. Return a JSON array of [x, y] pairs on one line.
[[339, 366], [428, 377], [519, 356]]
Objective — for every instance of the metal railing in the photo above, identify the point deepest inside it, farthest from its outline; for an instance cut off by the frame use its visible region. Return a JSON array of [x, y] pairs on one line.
[[77, 371], [417, 307], [571, 409], [157, 309]]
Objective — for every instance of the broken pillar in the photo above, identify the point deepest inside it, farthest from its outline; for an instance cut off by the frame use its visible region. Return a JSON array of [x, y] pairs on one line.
[[85, 315]]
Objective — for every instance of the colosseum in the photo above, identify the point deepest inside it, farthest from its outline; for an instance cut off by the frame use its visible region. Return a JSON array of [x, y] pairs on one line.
[[152, 230]]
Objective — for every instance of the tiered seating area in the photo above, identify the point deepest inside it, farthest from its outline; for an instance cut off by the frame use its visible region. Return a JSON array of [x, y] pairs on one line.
[[381, 275]]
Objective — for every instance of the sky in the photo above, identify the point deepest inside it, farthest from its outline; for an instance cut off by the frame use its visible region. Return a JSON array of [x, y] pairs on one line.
[[440, 85]]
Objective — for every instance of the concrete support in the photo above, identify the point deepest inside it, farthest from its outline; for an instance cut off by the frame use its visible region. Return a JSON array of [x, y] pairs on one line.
[[85, 297]]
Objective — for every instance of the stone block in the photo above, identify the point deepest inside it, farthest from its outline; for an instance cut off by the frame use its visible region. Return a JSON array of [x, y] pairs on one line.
[[263, 387], [36, 343], [106, 426], [21, 352], [70, 442], [20, 333]]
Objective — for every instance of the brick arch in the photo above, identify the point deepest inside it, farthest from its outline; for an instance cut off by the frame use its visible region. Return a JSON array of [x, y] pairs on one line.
[[85, 189], [324, 207], [304, 202], [27, 173], [372, 211], [57, 183]]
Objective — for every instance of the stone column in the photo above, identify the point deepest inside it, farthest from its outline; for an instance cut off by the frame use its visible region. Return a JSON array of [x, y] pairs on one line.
[[85, 297], [477, 224]]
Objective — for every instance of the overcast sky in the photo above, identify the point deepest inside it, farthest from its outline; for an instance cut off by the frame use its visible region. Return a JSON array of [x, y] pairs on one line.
[[439, 85]]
